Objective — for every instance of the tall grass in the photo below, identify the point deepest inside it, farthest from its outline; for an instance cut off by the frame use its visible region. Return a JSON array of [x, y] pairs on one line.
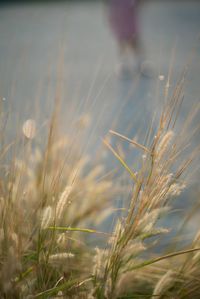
[[51, 200]]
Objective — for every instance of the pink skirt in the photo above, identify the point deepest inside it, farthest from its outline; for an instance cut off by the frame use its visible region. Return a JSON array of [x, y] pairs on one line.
[[123, 19]]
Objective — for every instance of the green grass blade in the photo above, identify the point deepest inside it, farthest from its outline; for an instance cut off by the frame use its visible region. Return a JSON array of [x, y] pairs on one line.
[[24, 274], [65, 286], [164, 257]]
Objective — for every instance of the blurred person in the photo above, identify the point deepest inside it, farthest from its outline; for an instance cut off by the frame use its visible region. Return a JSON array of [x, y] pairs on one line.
[[123, 19]]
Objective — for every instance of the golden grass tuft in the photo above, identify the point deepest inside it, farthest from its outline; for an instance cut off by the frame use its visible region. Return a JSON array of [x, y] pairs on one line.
[[52, 199]]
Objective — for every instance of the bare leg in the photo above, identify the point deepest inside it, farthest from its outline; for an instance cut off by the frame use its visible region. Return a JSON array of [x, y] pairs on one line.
[[124, 67], [135, 46], [122, 48], [137, 51]]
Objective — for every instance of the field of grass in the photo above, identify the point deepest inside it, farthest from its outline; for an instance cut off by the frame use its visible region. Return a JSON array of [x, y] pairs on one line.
[[54, 200]]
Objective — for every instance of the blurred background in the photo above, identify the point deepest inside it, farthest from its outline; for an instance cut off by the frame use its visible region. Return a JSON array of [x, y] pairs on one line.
[[66, 50], [70, 42]]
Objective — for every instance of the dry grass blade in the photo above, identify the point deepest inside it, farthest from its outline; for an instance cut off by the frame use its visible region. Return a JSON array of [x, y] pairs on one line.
[[140, 146], [132, 174]]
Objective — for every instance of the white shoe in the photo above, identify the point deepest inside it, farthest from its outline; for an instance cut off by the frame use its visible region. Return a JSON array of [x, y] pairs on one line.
[[148, 69]]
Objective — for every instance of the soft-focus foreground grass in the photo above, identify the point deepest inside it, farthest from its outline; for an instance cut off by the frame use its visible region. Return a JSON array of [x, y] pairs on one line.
[[52, 199]]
